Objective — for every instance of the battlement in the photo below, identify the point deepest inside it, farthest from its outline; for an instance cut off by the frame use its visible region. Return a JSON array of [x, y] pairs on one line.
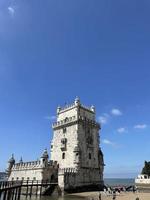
[[32, 165], [67, 170], [71, 106], [27, 165], [66, 108], [74, 105]]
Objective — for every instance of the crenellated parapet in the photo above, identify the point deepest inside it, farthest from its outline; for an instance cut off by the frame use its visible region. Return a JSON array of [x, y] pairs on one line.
[[27, 165], [65, 108], [33, 165], [68, 170], [76, 103]]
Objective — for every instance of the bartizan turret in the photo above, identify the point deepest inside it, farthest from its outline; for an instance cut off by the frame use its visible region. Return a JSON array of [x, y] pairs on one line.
[[44, 158], [11, 162]]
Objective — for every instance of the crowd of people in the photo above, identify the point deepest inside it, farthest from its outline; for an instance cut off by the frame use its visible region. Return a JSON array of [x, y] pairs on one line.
[[114, 191]]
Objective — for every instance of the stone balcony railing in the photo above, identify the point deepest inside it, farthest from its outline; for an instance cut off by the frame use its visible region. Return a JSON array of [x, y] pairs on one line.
[[65, 121], [73, 119]]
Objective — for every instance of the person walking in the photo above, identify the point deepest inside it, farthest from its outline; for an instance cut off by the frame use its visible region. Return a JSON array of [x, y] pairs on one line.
[[114, 195], [100, 196]]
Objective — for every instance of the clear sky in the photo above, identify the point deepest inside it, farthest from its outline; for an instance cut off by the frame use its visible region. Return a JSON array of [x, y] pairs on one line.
[[52, 51]]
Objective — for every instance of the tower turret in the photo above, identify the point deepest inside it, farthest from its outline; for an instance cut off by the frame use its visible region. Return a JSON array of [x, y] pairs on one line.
[[44, 158], [77, 101], [77, 155], [21, 160], [58, 109], [11, 162], [92, 108]]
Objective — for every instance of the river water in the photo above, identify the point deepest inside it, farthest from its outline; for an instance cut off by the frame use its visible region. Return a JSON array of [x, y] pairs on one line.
[[52, 198]]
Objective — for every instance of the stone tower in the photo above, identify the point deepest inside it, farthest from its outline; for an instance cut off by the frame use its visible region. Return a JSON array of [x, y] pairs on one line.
[[75, 146]]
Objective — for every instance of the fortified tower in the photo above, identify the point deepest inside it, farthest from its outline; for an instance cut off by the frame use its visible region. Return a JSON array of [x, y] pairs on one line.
[[75, 146]]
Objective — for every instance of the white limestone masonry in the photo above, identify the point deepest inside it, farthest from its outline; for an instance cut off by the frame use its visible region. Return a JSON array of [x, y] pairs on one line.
[[76, 158]]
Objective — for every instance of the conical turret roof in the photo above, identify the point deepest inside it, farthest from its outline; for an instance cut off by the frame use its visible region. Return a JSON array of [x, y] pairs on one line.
[[12, 160]]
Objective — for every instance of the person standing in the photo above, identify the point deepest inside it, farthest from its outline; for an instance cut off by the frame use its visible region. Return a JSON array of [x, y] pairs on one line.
[[114, 195], [100, 196]]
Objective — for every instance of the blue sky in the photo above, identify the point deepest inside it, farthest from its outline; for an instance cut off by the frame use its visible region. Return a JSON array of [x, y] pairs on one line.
[[52, 51]]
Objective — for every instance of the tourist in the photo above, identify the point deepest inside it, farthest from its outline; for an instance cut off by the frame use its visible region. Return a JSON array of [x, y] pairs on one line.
[[99, 196], [114, 195]]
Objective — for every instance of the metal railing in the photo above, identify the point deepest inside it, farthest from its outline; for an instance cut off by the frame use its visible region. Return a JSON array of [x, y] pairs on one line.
[[11, 190]]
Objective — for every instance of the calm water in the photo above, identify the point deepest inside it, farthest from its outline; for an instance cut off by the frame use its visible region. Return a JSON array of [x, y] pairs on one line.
[[119, 181], [52, 198]]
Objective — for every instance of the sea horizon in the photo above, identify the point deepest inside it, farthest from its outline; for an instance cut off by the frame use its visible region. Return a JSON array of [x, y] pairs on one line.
[[119, 181]]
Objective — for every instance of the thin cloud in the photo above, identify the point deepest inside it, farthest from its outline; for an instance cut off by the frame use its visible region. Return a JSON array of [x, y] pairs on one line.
[[122, 130], [116, 112], [11, 10], [103, 119], [50, 117], [108, 142], [140, 126]]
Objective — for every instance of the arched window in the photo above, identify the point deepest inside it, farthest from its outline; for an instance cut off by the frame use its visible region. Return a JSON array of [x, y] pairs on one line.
[[66, 119], [63, 156], [90, 156], [64, 130]]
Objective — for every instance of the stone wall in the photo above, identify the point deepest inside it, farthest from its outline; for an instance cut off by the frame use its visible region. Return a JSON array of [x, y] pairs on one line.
[[72, 180], [26, 174], [35, 170], [71, 141]]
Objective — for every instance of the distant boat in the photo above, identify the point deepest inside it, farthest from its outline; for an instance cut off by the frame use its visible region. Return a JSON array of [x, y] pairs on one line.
[[142, 182]]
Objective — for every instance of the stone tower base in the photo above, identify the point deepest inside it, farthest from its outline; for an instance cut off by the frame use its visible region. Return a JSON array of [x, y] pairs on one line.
[[85, 188], [72, 180]]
